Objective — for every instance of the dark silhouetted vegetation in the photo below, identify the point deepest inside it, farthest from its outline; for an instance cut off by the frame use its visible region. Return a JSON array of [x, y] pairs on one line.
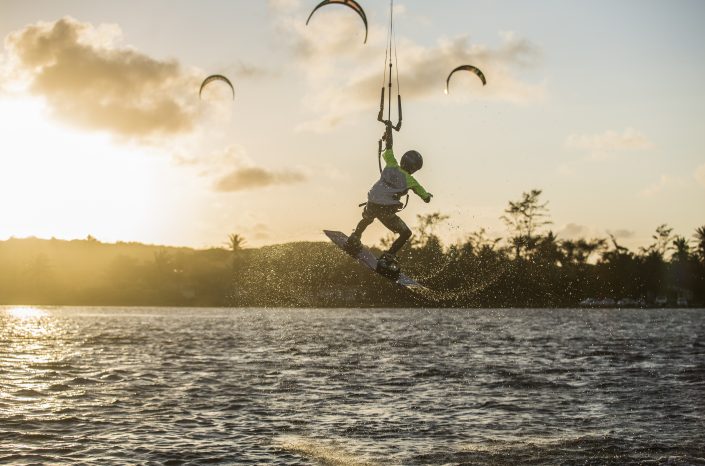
[[531, 267]]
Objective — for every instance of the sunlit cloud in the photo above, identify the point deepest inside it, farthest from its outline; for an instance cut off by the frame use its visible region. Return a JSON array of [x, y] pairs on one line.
[[429, 67], [246, 178], [344, 77], [422, 75], [602, 145], [423, 70], [243, 173], [340, 53], [88, 79], [5, 72]]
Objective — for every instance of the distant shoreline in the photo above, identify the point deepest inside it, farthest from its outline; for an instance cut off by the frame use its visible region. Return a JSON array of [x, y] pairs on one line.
[[254, 308], [541, 273]]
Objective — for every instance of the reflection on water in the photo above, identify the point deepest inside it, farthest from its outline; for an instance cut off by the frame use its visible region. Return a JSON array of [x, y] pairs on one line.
[[116, 386], [24, 313], [31, 350], [29, 321]]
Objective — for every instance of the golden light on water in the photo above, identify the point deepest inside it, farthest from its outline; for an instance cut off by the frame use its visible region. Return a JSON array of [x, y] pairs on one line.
[[32, 322], [30, 360], [26, 312]]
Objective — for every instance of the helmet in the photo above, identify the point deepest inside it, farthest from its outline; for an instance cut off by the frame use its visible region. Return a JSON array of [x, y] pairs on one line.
[[411, 161]]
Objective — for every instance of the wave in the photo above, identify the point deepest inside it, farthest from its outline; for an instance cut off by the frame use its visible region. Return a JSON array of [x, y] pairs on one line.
[[326, 452], [587, 449]]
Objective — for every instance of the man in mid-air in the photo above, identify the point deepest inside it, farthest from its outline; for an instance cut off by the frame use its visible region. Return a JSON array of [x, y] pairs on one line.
[[383, 202]]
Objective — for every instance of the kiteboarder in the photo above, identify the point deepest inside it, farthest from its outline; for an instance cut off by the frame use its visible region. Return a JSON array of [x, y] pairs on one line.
[[396, 178], [383, 201]]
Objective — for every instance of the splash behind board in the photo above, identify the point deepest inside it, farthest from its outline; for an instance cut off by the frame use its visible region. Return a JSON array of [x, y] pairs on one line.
[[368, 259]]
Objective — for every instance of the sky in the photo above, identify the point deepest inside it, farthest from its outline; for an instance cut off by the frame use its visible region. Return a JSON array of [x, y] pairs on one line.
[[599, 104]]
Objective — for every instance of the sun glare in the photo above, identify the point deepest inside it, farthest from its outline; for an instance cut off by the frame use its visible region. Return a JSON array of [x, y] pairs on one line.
[[58, 181], [29, 321], [26, 313]]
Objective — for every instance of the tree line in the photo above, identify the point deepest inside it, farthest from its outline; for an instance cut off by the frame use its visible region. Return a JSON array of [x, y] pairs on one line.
[[530, 267]]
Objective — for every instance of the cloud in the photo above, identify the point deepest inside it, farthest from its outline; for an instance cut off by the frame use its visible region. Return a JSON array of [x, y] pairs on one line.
[[260, 232], [424, 70], [623, 233], [700, 175], [603, 144], [343, 77], [90, 81], [246, 178], [242, 172], [317, 58], [664, 182], [574, 231], [422, 76]]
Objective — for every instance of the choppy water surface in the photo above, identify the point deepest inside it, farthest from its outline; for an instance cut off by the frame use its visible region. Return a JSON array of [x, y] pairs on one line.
[[116, 386]]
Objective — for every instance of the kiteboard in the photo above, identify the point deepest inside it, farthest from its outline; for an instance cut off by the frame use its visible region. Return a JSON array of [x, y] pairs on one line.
[[368, 259]]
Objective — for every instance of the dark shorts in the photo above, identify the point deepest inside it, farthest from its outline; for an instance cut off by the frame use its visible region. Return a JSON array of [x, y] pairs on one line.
[[387, 214]]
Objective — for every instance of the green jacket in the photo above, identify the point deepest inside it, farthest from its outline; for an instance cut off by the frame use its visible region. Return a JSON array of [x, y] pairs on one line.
[[394, 183]]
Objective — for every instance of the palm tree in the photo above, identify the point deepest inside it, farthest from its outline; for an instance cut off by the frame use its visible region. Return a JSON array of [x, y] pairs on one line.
[[682, 249], [700, 240], [235, 242]]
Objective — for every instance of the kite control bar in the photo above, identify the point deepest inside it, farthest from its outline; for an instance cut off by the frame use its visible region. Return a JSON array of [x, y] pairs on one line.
[[389, 126], [380, 115]]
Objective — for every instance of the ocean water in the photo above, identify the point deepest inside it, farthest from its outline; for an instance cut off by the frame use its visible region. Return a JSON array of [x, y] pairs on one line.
[[353, 386]]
